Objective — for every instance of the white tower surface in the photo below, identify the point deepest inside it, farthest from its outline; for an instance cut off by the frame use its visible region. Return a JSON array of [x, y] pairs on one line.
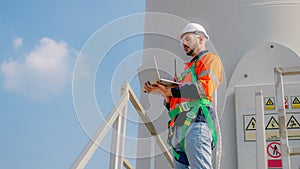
[[251, 37]]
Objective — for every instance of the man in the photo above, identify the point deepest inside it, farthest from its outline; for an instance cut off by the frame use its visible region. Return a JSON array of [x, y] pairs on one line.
[[192, 132]]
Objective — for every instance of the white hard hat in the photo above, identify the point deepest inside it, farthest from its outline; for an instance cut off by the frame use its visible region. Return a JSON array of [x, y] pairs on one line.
[[194, 27]]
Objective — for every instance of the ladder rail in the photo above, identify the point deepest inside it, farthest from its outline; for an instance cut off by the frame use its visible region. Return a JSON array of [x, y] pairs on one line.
[[101, 132], [116, 119], [279, 72], [118, 135], [261, 158], [138, 106]]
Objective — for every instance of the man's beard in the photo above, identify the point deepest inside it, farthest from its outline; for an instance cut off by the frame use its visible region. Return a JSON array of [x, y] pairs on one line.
[[190, 52]]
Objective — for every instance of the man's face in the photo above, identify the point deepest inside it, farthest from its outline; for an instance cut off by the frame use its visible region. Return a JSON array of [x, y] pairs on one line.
[[189, 43]]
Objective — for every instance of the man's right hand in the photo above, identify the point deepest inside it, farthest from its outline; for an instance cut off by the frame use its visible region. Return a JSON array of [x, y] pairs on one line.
[[158, 88]]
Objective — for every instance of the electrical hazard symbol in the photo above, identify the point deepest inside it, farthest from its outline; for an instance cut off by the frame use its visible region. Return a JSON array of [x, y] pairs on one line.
[[272, 127], [252, 124], [295, 102], [272, 124], [269, 103], [293, 123]]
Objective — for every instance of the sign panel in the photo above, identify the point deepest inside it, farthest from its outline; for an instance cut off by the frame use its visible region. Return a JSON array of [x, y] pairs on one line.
[[272, 126], [247, 123], [274, 155], [295, 102], [273, 149], [251, 124], [293, 123], [269, 103]]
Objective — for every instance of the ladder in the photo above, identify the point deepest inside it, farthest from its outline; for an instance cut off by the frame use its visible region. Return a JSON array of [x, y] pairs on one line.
[[286, 150], [117, 119]]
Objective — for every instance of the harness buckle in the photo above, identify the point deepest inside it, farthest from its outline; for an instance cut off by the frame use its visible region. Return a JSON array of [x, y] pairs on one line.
[[191, 115], [185, 106]]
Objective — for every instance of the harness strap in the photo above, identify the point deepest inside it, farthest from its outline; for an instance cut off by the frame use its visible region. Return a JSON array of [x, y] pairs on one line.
[[202, 103], [193, 106], [186, 106], [192, 69]]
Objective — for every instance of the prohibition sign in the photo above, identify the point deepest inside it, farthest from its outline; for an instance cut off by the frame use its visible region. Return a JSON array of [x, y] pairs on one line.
[[273, 149]]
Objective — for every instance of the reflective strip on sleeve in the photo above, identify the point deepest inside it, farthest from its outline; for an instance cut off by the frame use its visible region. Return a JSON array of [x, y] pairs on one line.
[[215, 79], [206, 72], [212, 75]]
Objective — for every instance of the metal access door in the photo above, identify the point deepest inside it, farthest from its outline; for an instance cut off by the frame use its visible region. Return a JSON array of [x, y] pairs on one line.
[[246, 124]]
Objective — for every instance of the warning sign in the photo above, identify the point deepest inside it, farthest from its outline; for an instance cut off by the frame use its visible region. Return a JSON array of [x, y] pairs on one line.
[[269, 103], [252, 124], [272, 124], [274, 155], [249, 128], [273, 149], [295, 102], [293, 123]]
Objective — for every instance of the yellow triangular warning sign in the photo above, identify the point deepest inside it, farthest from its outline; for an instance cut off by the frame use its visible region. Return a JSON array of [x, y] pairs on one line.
[[293, 123], [272, 124], [270, 102], [295, 103], [252, 124]]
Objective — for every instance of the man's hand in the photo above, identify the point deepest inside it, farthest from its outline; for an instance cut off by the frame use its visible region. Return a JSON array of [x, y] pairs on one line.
[[158, 88]]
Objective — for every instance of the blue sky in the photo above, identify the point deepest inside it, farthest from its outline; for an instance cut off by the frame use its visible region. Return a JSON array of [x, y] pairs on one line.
[[39, 44]]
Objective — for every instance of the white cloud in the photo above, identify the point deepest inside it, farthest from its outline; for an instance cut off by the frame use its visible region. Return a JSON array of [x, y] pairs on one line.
[[44, 73], [18, 43]]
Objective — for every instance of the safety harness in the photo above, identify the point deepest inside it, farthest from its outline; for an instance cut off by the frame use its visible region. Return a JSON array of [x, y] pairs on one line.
[[192, 107]]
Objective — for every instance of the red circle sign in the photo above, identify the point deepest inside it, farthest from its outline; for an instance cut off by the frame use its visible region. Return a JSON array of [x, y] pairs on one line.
[[273, 149]]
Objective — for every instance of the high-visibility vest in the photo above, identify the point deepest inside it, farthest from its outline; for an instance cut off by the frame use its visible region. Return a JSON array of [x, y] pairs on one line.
[[208, 70], [197, 70]]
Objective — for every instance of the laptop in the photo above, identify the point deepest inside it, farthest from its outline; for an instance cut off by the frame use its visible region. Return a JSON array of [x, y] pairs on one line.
[[149, 71]]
